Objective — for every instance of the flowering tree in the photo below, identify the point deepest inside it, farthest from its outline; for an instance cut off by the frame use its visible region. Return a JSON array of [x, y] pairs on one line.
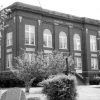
[[3, 16], [30, 66], [71, 64]]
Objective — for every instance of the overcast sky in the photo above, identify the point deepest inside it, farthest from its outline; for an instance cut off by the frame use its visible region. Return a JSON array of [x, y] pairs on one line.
[[80, 8]]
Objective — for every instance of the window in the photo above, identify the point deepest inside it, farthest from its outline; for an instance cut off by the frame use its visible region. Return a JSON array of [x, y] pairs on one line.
[[62, 40], [78, 63], [77, 42], [29, 34], [9, 60], [47, 38], [9, 39], [94, 63], [93, 43], [29, 57]]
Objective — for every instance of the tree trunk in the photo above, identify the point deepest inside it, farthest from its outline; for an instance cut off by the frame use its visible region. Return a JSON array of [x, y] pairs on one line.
[[27, 88], [28, 85]]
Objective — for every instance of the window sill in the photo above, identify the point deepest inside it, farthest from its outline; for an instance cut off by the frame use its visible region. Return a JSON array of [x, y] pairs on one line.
[[30, 44], [94, 51], [10, 68], [9, 45], [63, 48], [78, 50], [94, 69], [47, 47]]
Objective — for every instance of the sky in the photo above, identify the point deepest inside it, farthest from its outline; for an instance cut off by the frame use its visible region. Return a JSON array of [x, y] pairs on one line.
[[80, 8]]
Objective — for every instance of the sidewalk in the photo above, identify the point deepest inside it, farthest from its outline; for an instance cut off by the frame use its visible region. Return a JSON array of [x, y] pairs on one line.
[[34, 93], [85, 92]]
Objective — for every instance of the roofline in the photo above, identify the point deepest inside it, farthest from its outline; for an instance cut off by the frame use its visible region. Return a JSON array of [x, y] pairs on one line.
[[54, 14]]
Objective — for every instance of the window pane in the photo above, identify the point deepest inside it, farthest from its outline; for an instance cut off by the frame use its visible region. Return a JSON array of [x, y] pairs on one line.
[[26, 38], [9, 39], [47, 38], [77, 42], [93, 43], [26, 28], [30, 57], [78, 63], [32, 35], [29, 34], [94, 63], [49, 43], [32, 38], [62, 40], [9, 60]]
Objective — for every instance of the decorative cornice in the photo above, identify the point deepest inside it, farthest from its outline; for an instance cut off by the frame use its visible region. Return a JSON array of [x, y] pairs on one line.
[[86, 30], [54, 14], [20, 19], [14, 19], [56, 24], [70, 26], [39, 22]]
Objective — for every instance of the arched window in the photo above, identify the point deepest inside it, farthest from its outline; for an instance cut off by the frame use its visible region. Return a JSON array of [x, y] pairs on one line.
[[47, 38], [77, 42], [62, 40]]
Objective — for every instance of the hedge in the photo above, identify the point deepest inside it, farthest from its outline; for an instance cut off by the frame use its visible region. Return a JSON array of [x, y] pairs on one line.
[[7, 80], [60, 87]]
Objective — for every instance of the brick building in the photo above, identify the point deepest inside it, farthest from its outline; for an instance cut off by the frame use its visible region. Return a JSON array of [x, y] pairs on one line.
[[36, 29]]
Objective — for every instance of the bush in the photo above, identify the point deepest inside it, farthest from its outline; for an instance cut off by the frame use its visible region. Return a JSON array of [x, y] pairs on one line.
[[34, 98], [7, 80], [59, 87], [95, 81]]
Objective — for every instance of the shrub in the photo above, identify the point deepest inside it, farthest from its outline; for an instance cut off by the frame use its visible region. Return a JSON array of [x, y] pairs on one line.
[[7, 80], [34, 98], [59, 87]]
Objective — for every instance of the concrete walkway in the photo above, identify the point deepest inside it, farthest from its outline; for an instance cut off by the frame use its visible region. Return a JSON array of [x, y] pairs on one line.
[[90, 92], [85, 92]]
